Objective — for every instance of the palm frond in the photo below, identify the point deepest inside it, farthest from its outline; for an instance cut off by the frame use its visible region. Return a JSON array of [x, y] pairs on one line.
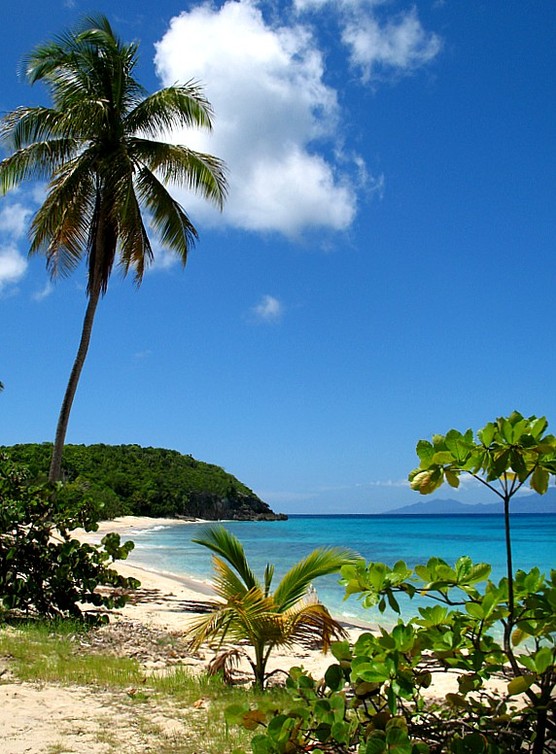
[[36, 161], [60, 228], [320, 562], [180, 106], [205, 628], [309, 619], [27, 125], [134, 244], [199, 172], [222, 542], [226, 582]]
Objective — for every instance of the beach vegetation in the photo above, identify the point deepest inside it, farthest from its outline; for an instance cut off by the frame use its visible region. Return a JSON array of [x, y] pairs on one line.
[[99, 146], [496, 640], [120, 480], [44, 570], [249, 613]]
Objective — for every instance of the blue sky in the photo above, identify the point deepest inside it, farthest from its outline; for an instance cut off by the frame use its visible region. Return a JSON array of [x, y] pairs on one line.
[[383, 269]]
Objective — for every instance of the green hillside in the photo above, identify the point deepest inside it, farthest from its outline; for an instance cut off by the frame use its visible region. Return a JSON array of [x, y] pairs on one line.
[[131, 480]]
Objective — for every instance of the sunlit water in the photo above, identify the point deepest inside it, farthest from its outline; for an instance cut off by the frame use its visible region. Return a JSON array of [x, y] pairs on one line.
[[388, 539]]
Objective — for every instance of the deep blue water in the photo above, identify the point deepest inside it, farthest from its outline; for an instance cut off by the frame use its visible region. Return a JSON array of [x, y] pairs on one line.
[[380, 538]]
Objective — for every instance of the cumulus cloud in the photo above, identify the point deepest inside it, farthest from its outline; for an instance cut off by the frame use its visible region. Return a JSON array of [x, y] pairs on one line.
[[273, 113], [12, 266], [269, 309]]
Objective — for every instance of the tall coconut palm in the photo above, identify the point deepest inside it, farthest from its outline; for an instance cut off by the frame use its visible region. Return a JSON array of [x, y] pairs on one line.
[[248, 612], [98, 145]]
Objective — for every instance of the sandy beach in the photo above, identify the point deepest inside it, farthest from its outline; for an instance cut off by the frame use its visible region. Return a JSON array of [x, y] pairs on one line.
[[45, 718], [168, 601], [42, 718]]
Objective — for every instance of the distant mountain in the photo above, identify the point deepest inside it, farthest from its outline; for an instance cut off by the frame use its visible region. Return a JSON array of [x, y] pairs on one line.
[[527, 504]]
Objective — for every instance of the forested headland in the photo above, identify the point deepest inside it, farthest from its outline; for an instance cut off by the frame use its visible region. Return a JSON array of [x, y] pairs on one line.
[[122, 480]]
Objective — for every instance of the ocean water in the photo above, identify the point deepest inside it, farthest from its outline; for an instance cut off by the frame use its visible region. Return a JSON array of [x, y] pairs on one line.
[[388, 539]]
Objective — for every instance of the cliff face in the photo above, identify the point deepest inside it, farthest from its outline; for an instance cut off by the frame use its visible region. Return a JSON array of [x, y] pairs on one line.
[[232, 507]]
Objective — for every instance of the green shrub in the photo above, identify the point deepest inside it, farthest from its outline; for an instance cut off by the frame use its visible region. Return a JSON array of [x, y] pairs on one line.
[[43, 569], [376, 698]]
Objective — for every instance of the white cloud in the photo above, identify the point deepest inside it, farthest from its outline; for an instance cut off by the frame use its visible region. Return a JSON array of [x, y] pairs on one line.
[[269, 309], [44, 292], [14, 220], [12, 266], [395, 45], [272, 111], [399, 45]]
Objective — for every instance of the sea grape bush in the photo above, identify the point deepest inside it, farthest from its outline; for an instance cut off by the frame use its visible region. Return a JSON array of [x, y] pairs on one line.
[[497, 641], [43, 569], [376, 697]]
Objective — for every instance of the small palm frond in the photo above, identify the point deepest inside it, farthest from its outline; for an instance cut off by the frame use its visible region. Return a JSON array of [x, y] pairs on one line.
[[182, 106], [222, 542], [205, 628], [38, 160], [309, 619], [168, 218], [320, 562], [26, 125], [226, 582], [199, 172], [61, 226], [225, 663], [268, 576]]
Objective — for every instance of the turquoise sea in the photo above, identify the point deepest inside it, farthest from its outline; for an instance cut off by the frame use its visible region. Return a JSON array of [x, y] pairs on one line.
[[380, 538]]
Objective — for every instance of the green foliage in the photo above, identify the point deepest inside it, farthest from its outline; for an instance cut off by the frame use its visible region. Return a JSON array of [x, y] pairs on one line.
[[120, 480], [43, 570], [374, 699], [249, 612], [509, 452]]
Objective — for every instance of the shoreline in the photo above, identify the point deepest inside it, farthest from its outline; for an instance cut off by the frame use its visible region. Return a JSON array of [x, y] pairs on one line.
[[151, 578], [169, 600]]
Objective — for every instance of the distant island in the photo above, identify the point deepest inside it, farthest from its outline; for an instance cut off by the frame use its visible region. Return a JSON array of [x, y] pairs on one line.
[[527, 504], [123, 480]]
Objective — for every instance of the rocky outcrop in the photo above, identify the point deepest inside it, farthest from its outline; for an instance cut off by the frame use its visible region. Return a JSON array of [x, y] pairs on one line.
[[235, 506]]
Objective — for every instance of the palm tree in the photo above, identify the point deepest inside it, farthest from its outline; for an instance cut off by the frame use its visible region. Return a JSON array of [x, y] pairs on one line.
[[248, 612], [98, 145]]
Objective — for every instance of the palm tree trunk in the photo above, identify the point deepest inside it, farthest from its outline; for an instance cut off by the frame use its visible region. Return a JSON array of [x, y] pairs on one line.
[[55, 472]]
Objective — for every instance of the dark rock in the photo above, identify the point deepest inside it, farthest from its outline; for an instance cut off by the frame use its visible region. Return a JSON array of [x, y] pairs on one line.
[[235, 506]]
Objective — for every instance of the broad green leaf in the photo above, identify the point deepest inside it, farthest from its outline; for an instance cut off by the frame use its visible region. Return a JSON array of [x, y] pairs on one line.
[[452, 478], [341, 650], [260, 744], [520, 684], [443, 457], [486, 435], [376, 744], [538, 427], [544, 659], [425, 451], [334, 677], [234, 713], [475, 610], [539, 480]]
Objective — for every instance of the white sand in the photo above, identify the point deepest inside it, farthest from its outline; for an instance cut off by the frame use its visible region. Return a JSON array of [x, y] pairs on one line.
[[43, 718]]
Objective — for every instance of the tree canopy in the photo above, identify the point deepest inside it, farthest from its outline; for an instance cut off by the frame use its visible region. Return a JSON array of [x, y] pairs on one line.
[[131, 480]]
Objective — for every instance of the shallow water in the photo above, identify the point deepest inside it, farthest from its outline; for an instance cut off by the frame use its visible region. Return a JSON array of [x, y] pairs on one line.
[[380, 538]]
